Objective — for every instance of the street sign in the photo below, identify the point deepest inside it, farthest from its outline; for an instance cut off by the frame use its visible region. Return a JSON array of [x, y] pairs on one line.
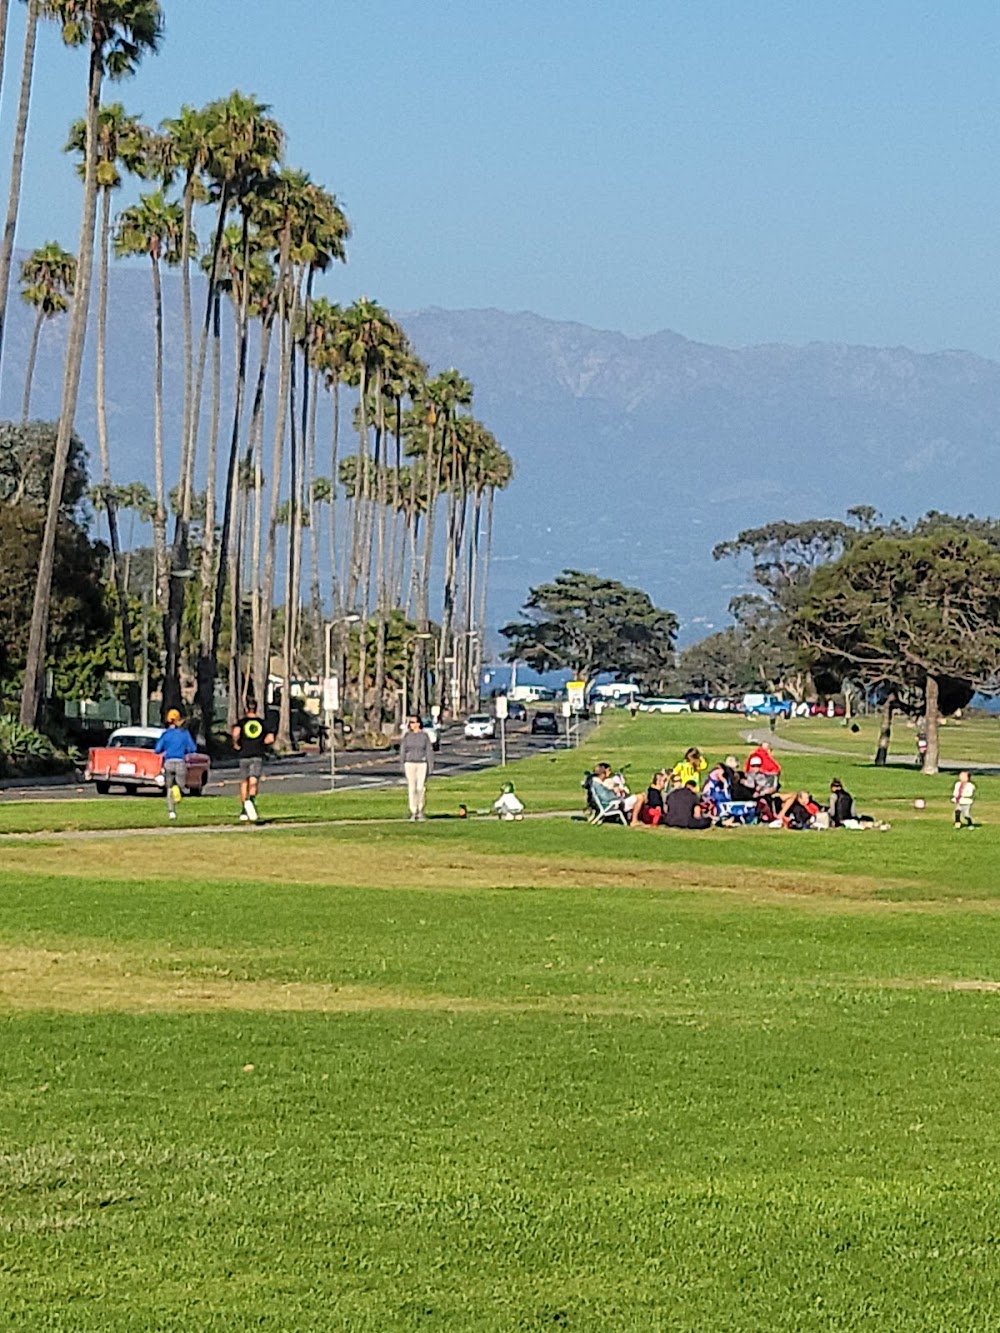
[[331, 694], [122, 677], [567, 709], [575, 690], [501, 706]]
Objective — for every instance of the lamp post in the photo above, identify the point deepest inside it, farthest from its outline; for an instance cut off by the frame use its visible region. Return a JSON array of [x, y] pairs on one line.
[[331, 692]]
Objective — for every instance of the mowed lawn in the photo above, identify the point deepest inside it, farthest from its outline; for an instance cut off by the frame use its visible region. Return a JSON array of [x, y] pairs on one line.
[[463, 1075]]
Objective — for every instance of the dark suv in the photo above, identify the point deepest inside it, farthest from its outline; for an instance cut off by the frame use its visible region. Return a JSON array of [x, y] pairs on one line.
[[544, 724]]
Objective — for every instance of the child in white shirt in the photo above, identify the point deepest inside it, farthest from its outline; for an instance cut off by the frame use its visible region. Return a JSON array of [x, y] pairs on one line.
[[962, 797], [507, 804]]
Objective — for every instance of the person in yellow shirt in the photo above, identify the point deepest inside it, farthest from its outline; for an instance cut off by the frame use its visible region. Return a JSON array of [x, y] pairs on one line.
[[690, 769]]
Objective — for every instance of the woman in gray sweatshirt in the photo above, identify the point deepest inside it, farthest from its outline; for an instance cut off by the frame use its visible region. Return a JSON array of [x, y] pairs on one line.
[[416, 754]]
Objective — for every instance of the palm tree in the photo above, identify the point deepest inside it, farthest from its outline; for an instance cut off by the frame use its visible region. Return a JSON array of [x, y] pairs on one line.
[[47, 278], [117, 34], [154, 227], [35, 10], [244, 145], [4, 8], [185, 150]]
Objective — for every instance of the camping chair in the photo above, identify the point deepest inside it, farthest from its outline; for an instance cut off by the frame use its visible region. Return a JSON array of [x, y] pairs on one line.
[[599, 811]]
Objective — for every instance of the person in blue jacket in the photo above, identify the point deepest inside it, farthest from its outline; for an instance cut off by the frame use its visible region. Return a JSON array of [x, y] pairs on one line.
[[175, 745]]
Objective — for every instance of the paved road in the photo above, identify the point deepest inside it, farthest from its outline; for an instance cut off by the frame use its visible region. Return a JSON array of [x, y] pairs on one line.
[[304, 774]]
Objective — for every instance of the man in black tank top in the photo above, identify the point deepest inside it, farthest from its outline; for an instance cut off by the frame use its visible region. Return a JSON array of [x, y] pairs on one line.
[[250, 741]]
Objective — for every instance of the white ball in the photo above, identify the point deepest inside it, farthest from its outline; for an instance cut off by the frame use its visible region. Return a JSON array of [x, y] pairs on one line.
[[919, 804]]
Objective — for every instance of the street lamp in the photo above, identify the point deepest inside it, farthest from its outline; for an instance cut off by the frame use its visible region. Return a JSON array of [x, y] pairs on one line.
[[331, 700]]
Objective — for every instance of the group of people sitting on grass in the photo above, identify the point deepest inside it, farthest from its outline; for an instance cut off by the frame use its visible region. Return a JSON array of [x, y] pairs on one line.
[[696, 795]]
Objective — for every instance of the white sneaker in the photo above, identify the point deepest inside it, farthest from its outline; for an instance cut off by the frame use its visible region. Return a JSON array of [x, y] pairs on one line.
[[251, 810], [244, 817], [172, 814]]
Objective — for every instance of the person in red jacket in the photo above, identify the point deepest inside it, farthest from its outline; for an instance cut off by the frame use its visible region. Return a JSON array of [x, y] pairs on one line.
[[763, 760]]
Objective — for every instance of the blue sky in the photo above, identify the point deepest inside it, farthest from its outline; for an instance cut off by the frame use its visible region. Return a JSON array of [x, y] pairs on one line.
[[739, 171]]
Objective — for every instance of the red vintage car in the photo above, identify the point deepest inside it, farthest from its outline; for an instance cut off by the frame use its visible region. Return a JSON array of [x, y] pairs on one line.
[[128, 761]]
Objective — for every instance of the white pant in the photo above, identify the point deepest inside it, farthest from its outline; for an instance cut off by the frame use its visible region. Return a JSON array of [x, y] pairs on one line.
[[416, 780]]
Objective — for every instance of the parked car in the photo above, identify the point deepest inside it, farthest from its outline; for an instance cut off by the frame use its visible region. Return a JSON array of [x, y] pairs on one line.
[[544, 724], [664, 706], [827, 710], [128, 760], [766, 705], [516, 711], [480, 727]]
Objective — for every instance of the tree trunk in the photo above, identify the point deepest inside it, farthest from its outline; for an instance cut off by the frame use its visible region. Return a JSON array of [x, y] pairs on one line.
[[885, 732], [171, 686], [110, 502], [4, 7], [932, 753], [34, 670], [30, 371], [203, 686], [284, 738], [258, 659], [207, 665], [262, 664], [335, 585], [17, 154], [315, 596]]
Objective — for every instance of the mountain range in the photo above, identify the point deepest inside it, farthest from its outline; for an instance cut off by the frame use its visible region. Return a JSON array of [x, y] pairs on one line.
[[633, 456]]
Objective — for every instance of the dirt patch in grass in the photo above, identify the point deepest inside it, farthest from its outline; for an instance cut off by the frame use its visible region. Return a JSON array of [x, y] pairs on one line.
[[937, 983], [106, 980], [385, 864]]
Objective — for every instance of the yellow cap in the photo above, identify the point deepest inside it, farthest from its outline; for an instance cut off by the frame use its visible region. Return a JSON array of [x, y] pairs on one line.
[[173, 715]]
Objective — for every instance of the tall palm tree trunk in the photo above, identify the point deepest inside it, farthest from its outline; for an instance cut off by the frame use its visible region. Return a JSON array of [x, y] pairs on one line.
[[257, 654], [335, 583], [315, 596], [207, 664], [4, 7], [17, 154], [261, 665], [107, 487], [208, 543], [285, 739], [485, 574], [31, 693], [30, 371], [160, 516]]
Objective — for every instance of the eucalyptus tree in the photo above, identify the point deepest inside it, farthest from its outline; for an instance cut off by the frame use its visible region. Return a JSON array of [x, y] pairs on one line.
[[47, 278], [116, 34], [36, 9]]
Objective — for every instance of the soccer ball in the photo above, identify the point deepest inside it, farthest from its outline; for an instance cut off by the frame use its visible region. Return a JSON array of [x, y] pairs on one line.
[[919, 804]]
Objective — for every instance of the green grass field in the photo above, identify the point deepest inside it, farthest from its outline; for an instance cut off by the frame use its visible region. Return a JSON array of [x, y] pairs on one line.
[[470, 1076]]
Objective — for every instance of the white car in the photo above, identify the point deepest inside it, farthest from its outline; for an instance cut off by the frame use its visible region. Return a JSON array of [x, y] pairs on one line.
[[480, 727], [664, 706]]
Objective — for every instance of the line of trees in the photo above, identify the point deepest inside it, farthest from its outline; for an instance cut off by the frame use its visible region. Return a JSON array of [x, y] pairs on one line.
[[905, 613], [293, 541]]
